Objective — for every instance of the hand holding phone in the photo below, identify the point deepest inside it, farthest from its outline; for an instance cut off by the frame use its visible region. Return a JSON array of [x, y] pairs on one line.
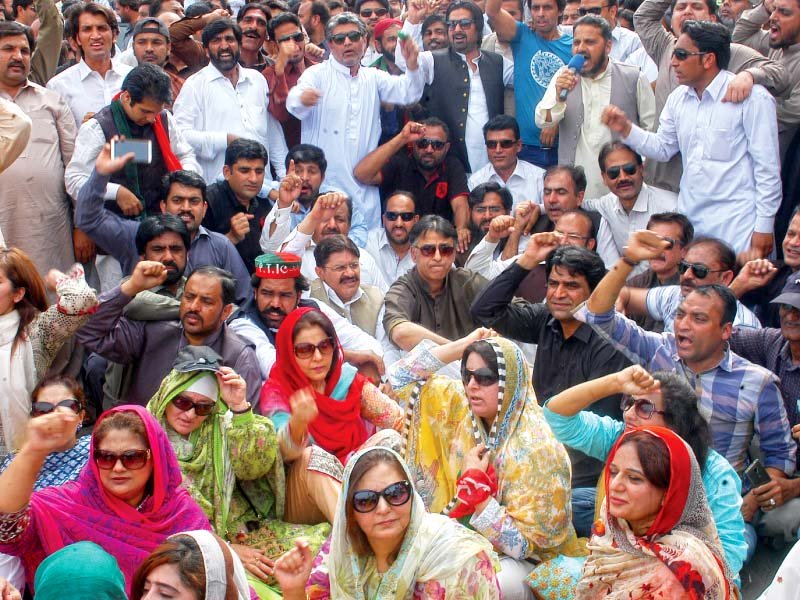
[[756, 474], [142, 150]]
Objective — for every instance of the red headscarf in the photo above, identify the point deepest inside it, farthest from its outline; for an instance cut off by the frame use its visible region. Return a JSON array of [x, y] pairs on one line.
[[338, 428]]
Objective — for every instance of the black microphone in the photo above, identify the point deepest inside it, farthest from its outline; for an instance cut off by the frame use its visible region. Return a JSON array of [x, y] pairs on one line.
[[575, 65]]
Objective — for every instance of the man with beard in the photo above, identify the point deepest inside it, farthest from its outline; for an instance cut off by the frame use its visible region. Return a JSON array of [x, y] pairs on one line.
[[431, 173], [385, 33], [314, 16], [602, 80], [371, 11], [434, 33], [184, 195], [224, 101], [254, 18], [278, 287], [731, 10], [389, 244]]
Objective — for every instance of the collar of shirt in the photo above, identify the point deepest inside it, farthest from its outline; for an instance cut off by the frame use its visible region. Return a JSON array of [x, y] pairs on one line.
[[786, 356], [714, 90], [583, 333], [424, 284], [339, 67], [234, 201], [209, 341], [214, 73], [439, 173], [475, 61], [201, 231], [516, 173], [726, 364], [334, 297], [85, 70], [641, 204]]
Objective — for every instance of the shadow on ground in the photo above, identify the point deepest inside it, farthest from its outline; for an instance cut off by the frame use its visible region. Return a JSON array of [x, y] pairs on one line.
[[759, 573]]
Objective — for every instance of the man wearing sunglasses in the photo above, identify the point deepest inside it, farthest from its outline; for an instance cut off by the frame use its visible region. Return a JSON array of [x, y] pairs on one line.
[[389, 245], [370, 12]]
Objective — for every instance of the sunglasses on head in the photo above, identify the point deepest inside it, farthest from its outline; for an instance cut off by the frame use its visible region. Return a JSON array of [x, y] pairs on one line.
[[465, 23], [184, 403], [131, 459], [42, 408], [699, 269], [644, 407], [397, 494], [425, 142], [682, 54], [307, 349], [339, 38], [297, 36], [393, 216], [506, 144], [429, 250], [368, 12], [629, 169], [484, 376]]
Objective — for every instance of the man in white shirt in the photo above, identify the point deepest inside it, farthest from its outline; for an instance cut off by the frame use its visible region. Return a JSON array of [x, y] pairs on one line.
[[224, 101], [96, 79], [602, 80], [731, 185], [624, 42], [339, 106], [503, 145], [389, 244]]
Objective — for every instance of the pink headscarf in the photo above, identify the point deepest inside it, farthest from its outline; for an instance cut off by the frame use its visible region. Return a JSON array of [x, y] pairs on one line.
[[83, 511]]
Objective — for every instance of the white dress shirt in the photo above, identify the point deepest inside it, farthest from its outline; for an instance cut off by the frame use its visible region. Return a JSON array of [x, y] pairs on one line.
[[731, 184], [391, 266], [641, 59], [85, 90], [624, 42], [208, 108], [526, 183], [346, 123]]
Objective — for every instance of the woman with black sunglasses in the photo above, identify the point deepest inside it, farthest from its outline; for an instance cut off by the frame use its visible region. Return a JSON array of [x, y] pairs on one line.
[[386, 545], [662, 399]]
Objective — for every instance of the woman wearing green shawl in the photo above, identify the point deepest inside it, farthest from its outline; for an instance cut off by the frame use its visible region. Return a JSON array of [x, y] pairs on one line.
[[230, 461]]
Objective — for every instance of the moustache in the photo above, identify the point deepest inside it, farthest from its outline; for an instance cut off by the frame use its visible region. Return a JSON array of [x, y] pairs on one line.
[[348, 280]]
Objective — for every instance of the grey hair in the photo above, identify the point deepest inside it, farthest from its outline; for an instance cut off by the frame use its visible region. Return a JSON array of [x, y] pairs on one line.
[[346, 18]]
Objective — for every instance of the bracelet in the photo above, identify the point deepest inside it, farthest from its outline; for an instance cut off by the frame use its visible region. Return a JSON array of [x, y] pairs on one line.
[[629, 262], [243, 410]]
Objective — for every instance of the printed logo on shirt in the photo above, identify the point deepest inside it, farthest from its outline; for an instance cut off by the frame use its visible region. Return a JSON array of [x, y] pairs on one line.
[[543, 66]]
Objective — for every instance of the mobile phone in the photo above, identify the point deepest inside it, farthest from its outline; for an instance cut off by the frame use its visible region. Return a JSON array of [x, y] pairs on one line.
[[756, 474], [142, 149]]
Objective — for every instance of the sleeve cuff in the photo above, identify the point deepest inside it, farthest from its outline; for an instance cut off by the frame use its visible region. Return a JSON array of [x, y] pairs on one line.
[[765, 224]]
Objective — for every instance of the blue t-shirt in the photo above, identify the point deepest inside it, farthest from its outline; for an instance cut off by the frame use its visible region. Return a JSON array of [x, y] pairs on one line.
[[536, 60]]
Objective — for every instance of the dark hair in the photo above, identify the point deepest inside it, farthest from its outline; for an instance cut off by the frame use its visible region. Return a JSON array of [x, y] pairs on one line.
[[687, 229], [380, 456], [502, 123], [476, 14], [347, 18], [681, 413], [277, 6], [219, 26], [148, 81], [333, 5], [582, 214], [360, 3], [483, 349], [321, 10], [281, 19], [595, 21], [436, 122], [405, 193], [13, 29], [614, 147], [316, 318], [132, 4], [479, 192], [181, 551], [300, 283], [157, 225], [16, 4], [577, 261], [242, 149], [21, 273], [91, 8], [434, 224], [187, 178], [430, 20], [68, 382], [627, 14], [125, 420], [332, 245], [653, 455], [198, 9], [227, 281], [713, 38], [308, 153], [521, 9], [725, 254], [724, 293], [257, 6], [576, 173]]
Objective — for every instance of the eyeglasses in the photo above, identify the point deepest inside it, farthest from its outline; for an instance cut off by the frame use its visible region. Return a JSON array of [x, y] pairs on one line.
[[42, 408], [506, 144], [494, 210], [132, 460], [184, 403], [644, 407], [465, 23], [407, 217], [699, 269], [573, 237], [339, 38], [297, 36], [484, 377], [629, 169], [353, 266], [682, 54], [368, 12], [593, 10], [425, 142], [397, 494], [429, 250], [307, 349]]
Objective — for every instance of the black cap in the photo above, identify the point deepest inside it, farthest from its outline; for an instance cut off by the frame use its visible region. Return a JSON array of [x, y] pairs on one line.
[[197, 358], [150, 25], [790, 294]]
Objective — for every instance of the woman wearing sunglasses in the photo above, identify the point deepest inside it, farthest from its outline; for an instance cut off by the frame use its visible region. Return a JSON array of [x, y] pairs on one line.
[[663, 399], [229, 460], [483, 451], [385, 545], [127, 499]]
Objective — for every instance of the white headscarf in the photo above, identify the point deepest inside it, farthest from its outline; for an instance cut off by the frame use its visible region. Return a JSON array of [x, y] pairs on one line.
[[214, 562]]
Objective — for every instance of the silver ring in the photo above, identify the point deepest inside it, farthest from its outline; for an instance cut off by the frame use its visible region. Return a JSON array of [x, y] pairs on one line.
[[772, 502]]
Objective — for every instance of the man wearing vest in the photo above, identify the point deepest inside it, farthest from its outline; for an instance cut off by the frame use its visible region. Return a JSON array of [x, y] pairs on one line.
[[603, 81], [137, 112]]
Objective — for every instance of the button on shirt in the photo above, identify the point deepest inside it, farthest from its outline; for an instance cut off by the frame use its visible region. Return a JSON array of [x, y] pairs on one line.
[[85, 90], [662, 304], [526, 183], [730, 159], [392, 266]]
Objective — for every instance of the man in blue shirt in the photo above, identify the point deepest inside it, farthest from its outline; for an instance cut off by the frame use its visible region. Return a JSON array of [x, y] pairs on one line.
[[538, 54]]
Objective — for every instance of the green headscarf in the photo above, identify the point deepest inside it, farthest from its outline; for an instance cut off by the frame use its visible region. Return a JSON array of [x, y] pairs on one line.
[[80, 571]]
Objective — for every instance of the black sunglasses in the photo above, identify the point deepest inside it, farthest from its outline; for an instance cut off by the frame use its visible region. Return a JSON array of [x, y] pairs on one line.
[[307, 349], [644, 407], [393, 216], [397, 494], [465, 23], [425, 142], [492, 144], [42, 408], [429, 250], [131, 459], [699, 269], [184, 403], [484, 377], [682, 54], [297, 36], [629, 168], [594, 10], [368, 12], [339, 38]]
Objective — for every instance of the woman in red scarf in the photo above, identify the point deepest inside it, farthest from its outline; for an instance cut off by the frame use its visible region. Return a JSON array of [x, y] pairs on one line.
[[319, 403]]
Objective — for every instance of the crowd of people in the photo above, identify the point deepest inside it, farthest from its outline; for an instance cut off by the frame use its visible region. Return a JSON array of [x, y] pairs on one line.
[[398, 298]]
